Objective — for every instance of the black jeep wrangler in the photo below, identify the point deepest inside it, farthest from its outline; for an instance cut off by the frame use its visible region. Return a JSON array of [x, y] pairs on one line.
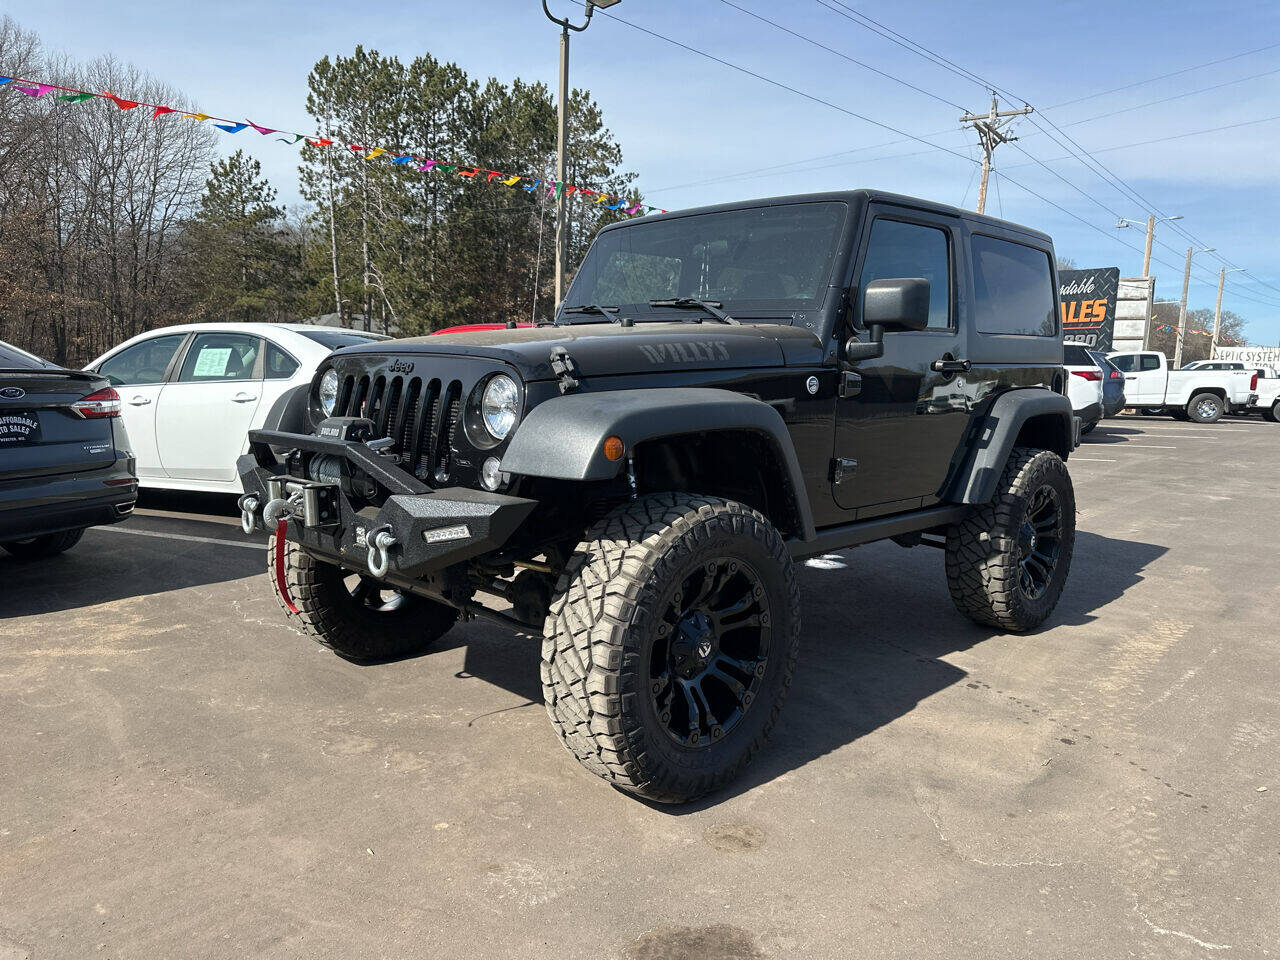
[[726, 391]]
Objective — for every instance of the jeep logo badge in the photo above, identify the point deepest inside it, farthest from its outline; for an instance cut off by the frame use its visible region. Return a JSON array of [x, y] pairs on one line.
[[401, 366], [811, 385]]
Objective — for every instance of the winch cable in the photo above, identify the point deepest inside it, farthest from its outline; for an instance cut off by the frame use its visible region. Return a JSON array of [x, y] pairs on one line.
[[282, 582]]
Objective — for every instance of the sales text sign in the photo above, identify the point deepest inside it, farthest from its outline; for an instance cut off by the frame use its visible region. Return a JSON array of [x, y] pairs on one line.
[[1087, 301]]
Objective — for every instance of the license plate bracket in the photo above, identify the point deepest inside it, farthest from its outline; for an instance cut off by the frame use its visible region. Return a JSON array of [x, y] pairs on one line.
[[19, 427]]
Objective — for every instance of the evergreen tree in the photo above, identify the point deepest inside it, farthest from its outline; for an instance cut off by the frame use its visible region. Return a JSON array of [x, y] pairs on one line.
[[243, 263]]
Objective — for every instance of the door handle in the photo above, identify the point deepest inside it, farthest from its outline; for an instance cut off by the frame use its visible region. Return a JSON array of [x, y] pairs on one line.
[[951, 366], [243, 398], [1131, 378], [139, 401]]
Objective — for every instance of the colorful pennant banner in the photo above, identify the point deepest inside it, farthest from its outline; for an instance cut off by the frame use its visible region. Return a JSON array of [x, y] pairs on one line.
[[32, 88], [1172, 328]]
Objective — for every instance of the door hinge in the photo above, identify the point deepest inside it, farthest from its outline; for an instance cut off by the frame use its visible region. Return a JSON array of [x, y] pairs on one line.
[[842, 468], [850, 384]]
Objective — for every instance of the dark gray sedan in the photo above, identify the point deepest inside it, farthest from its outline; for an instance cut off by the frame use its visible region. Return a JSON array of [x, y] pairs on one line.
[[1112, 385]]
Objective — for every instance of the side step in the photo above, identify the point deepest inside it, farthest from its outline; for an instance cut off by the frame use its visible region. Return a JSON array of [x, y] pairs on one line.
[[830, 539]]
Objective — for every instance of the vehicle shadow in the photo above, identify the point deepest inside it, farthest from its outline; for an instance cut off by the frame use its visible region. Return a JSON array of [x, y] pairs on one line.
[[878, 621]]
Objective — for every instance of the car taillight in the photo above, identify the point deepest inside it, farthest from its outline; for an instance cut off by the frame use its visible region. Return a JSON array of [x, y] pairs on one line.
[[103, 403], [1253, 382], [1115, 374], [1088, 374]]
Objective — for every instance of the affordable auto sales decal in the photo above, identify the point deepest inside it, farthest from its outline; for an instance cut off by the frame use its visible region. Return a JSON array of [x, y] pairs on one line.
[[1087, 301]]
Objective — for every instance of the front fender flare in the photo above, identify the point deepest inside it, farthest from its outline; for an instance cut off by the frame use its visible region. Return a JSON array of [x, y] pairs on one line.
[[563, 438]]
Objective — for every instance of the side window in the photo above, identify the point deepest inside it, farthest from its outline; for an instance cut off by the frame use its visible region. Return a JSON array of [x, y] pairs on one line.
[[220, 356], [1149, 362], [897, 250], [1013, 287], [1124, 364], [278, 364], [143, 362]]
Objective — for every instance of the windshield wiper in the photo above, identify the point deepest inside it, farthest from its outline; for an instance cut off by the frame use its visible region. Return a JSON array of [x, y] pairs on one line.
[[606, 312], [693, 303]]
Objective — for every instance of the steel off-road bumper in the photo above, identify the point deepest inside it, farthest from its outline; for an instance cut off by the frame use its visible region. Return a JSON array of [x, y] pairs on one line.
[[417, 530]]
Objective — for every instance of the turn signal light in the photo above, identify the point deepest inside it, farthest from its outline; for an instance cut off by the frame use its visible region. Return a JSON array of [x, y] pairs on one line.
[[1088, 374], [613, 448], [103, 403]]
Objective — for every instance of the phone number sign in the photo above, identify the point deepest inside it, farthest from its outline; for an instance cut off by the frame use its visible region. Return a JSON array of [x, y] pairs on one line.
[[1087, 303]]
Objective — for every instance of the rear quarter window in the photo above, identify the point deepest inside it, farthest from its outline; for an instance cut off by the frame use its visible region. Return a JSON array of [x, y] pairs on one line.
[[1013, 289]]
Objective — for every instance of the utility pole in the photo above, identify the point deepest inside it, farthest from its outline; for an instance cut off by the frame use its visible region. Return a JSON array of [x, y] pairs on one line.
[[990, 134], [1182, 313], [1152, 220], [1217, 310]]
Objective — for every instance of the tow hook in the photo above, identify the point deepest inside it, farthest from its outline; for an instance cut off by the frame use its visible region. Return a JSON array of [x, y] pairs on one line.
[[248, 504], [380, 541]]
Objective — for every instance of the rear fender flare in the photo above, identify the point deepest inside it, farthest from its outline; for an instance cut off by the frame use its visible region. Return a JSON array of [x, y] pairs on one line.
[[563, 438], [1043, 413]]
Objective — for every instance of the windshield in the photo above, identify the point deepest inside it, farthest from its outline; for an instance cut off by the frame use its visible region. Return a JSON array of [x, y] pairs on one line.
[[333, 339], [770, 261], [13, 357]]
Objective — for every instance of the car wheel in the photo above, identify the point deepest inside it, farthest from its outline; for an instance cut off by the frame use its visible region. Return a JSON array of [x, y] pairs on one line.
[[670, 644], [1152, 411], [48, 545], [1179, 414], [1274, 412], [354, 615], [1088, 428], [1008, 560], [1206, 408]]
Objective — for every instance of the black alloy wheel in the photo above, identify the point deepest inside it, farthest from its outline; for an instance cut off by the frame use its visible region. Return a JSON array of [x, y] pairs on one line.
[[710, 658], [1039, 542]]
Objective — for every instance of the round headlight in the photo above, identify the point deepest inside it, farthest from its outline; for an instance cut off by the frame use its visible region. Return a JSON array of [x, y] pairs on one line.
[[328, 392], [500, 406]]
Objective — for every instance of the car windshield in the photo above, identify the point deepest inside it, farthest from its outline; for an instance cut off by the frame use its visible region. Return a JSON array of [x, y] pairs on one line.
[[333, 339], [768, 261], [13, 358]]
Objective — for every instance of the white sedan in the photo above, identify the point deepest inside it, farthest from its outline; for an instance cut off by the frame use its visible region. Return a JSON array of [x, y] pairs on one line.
[[191, 393]]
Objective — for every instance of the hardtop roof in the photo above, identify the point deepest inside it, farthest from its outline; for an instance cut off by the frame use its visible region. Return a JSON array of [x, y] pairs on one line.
[[849, 196]]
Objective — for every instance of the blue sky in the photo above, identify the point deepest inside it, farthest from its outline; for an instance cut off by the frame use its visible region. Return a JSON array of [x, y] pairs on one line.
[[698, 132]]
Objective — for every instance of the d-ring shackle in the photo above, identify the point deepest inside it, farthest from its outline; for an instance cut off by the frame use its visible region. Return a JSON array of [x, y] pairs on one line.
[[380, 541]]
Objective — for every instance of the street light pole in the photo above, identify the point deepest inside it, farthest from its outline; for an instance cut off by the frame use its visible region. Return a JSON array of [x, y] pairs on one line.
[[1217, 310], [562, 137], [1182, 308], [1151, 236]]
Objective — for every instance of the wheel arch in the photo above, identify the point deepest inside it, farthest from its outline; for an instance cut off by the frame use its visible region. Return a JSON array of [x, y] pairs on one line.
[[674, 434], [1030, 417]]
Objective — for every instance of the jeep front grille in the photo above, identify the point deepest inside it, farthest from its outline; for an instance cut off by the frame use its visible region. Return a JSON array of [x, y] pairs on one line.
[[420, 414]]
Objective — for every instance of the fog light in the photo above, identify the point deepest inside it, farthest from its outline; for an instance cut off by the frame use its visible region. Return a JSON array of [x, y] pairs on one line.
[[491, 475]]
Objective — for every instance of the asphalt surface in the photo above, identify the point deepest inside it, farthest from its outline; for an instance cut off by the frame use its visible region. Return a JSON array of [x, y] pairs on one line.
[[182, 775]]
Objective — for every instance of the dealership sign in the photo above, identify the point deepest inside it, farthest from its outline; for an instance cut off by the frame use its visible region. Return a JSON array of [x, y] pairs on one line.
[[1087, 301], [1261, 356]]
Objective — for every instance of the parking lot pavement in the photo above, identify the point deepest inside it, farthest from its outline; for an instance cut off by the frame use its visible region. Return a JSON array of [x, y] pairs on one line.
[[184, 776]]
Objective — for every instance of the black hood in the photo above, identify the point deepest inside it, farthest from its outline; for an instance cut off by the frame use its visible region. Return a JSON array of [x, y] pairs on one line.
[[604, 349]]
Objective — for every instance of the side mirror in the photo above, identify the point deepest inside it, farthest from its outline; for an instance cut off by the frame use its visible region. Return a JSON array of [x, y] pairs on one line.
[[901, 304]]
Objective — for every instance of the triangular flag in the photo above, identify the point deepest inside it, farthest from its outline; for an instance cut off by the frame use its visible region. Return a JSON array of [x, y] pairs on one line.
[[531, 186], [570, 191], [4, 80], [296, 137], [161, 111], [602, 198], [492, 175], [403, 158], [448, 167], [355, 146], [585, 192], [426, 166], [617, 206], [262, 130], [120, 102], [320, 142], [635, 208], [468, 173], [77, 97], [196, 116], [512, 181], [375, 152], [39, 90], [231, 127]]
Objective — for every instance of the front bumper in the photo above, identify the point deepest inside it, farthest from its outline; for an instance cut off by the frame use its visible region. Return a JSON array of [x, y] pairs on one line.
[[431, 528]]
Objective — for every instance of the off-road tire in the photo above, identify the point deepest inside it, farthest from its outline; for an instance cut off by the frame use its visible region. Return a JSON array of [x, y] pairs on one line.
[[602, 626], [46, 545], [330, 615], [982, 550], [1209, 402]]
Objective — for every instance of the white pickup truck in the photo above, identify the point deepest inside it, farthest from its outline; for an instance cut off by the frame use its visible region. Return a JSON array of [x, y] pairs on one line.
[[1199, 395]]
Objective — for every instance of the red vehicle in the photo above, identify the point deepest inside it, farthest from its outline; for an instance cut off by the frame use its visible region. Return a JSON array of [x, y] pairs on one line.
[[474, 327]]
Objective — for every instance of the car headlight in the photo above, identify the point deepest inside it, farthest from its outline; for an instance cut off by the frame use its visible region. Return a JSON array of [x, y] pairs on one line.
[[327, 393], [500, 406]]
